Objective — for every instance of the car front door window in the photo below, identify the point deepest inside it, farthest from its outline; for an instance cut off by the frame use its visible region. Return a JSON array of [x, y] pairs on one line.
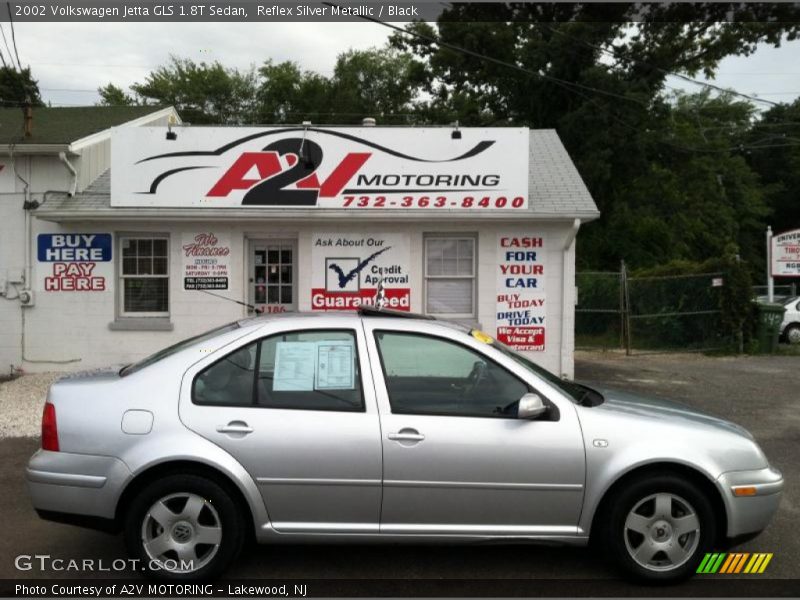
[[434, 376]]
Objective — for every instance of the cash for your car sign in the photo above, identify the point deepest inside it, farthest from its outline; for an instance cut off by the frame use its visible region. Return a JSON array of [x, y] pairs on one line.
[[346, 269], [520, 291], [785, 254], [75, 262], [205, 261], [362, 168]]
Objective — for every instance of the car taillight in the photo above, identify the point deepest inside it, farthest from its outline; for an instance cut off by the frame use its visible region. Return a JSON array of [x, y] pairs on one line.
[[49, 428]]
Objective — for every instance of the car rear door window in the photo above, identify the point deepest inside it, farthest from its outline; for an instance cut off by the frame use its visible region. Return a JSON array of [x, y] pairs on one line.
[[310, 370], [435, 376]]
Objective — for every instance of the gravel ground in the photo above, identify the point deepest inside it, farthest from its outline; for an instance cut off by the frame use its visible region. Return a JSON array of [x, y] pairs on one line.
[[21, 402]]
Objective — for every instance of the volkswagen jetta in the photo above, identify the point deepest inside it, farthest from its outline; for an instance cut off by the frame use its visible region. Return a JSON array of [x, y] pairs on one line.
[[379, 427]]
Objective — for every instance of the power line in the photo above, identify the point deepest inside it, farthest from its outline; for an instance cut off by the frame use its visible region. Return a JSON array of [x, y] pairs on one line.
[[500, 62], [570, 86], [660, 69], [7, 50], [13, 34]]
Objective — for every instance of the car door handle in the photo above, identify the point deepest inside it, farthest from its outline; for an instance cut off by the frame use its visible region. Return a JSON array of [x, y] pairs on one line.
[[235, 427], [406, 435]]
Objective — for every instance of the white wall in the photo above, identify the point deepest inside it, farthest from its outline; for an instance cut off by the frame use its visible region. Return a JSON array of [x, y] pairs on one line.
[[74, 326]]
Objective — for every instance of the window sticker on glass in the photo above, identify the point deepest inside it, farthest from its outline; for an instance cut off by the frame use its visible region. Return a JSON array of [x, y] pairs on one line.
[[294, 367], [335, 365]]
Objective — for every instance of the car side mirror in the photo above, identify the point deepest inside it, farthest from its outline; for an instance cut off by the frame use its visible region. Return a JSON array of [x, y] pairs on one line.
[[531, 406]]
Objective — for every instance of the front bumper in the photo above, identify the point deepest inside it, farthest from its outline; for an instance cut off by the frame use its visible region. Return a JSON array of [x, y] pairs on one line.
[[750, 514], [78, 484]]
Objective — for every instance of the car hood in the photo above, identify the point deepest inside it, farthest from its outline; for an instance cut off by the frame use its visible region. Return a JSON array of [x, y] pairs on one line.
[[645, 407]]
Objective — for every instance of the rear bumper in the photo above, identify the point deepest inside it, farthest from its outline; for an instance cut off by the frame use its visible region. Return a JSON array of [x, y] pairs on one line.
[[749, 515], [77, 484]]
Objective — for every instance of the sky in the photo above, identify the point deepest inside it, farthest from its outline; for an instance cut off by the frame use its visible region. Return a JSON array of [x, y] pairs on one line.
[[71, 61]]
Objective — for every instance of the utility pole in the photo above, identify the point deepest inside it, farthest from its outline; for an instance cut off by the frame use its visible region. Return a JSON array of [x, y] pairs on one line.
[[770, 280]]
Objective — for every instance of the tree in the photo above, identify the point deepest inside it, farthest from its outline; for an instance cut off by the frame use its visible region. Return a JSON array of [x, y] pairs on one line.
[[202, 93], [287, 94], [111, 95], [666, 186], [380, 83], [18, 87], [774, 143]]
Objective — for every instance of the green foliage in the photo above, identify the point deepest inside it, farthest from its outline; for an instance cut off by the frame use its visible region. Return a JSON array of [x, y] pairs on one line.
[[777, 163], [668, 172], [111, 95], [18, 87], [202, 93], [287, 94]]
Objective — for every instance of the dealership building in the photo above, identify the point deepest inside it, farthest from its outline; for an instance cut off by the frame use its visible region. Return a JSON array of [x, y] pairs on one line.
[[123, 230]]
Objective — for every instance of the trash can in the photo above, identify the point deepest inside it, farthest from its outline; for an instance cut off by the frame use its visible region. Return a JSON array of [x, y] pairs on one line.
[[770, 317]]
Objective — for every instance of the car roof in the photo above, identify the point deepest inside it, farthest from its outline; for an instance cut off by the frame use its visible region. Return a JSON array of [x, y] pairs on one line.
[[365, 312]]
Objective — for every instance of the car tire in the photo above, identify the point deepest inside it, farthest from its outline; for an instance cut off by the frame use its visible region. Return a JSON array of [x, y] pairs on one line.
[[186, 518], [657, 528], [792, 334]]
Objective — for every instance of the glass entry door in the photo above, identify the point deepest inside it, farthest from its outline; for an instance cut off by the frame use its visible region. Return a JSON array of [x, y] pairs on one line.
[[273, 275]]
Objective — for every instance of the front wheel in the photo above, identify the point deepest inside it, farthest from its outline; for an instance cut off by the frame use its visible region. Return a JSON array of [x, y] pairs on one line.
[[184, 527], [658, 528], [792, 334]]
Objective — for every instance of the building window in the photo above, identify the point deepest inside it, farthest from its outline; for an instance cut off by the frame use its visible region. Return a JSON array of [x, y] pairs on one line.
[[450, 276], [144, 276]]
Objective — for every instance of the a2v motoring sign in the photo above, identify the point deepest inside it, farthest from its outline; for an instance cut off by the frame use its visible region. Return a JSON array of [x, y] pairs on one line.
[[311, 167]]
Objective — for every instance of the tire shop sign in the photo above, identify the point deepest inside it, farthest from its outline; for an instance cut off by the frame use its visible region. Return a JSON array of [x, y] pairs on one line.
[[785, 254], [520, 291]]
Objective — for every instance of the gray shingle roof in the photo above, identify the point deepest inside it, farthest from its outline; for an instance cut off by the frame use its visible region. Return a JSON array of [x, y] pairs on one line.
[[555, 188]]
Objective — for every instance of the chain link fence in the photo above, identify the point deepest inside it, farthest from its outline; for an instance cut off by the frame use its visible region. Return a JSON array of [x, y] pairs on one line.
[[648, 314]]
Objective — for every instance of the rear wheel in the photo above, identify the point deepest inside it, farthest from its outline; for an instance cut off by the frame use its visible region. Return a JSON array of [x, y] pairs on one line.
[[184, 527], [792, 334], [658, 528]]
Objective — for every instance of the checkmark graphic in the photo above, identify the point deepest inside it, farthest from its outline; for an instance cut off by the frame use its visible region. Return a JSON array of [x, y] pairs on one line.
[[345, 278]]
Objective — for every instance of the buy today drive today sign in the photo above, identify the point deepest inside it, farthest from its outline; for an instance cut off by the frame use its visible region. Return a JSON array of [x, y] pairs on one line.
[[355, 168]]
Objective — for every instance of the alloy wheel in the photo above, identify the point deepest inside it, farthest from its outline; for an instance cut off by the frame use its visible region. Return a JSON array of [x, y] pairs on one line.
[[662, 532], [181, 533]]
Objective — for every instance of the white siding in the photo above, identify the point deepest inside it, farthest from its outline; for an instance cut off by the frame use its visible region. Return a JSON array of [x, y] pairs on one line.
[[74, 325]]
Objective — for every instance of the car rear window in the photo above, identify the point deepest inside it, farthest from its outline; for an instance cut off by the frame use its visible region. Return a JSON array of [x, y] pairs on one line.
[[182, 345]]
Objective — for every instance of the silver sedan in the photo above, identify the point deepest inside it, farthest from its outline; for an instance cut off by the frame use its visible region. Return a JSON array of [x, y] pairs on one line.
[[379, 427]]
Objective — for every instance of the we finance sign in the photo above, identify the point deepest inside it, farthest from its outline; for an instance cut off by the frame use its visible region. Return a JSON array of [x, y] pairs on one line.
[[310, 167]]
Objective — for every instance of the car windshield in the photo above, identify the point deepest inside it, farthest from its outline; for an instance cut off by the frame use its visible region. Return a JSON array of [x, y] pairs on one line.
[[162, 354], [577, 392]]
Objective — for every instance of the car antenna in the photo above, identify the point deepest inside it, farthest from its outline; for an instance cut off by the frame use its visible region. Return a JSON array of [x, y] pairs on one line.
[[380, 296], [250, 306]]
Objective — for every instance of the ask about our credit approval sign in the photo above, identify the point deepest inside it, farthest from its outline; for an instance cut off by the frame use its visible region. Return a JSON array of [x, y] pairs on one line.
[[785, 254], [354, 168]]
